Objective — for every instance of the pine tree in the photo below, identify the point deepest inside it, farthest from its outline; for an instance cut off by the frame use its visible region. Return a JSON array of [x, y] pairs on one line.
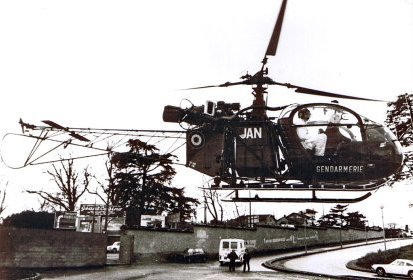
[[399, 120], [338, 214], [355, 219], [142, 184]]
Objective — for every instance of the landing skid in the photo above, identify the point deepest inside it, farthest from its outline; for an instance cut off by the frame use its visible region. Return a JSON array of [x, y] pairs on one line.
[[299, 200], [298, 186]]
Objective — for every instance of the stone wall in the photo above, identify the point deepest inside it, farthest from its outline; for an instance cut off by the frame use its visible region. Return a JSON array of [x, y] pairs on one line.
[[151, 243], [30, 248]]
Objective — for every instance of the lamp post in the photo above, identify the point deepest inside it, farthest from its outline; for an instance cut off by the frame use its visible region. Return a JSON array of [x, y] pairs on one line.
[[305, 234], [341, 238], [250, 223], [384, 232], [93, 217]]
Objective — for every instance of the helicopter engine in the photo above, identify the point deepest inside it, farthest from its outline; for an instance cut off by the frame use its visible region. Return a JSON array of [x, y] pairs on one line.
[[199, 115]]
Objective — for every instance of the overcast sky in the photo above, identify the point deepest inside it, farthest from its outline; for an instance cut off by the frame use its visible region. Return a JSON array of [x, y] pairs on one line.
[[116, 64]]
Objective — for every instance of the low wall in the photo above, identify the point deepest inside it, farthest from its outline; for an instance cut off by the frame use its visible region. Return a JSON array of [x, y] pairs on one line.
[[35, 248], [150, 243]]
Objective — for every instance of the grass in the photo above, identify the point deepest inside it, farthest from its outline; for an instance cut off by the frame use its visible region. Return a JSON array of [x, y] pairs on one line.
[[384, 257]]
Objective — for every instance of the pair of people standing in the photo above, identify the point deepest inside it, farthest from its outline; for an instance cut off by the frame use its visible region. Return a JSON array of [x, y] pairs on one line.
[[233, 256]]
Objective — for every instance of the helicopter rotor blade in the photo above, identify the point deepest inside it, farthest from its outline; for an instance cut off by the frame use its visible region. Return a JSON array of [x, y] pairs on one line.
[[227, 84], [261, 78], [335, 95], [298, 89], [54, 125], [305, 90], [273, 44], [71, 133]]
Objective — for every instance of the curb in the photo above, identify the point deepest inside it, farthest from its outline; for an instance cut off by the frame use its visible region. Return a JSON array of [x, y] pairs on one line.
[[352, 265], [35, 277], [278, 264]]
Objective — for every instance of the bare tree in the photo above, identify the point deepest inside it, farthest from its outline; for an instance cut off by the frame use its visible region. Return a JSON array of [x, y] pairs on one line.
[[45, 206], [107, 192], [71, 186], [213, 204]]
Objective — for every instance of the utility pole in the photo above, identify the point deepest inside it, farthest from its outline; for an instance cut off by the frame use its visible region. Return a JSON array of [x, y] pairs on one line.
[[250, 225], [384, 231], [305, 234], [205, 208], [106, 213], [93, 221]]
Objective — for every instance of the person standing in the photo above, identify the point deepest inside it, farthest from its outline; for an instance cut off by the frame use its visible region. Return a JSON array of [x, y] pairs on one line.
[[247, 257], [232, 257]]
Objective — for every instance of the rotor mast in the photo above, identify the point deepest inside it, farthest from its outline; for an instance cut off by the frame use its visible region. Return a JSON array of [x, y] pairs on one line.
[[258, 105], [260, 78]]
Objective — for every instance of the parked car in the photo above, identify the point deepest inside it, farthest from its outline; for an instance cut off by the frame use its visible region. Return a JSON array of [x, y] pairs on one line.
[[190, 255], [397, 267], [406, 234], [114, 248]]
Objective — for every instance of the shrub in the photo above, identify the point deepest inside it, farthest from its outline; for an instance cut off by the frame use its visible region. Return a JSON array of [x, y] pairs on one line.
[[30, 219], [384, 257]]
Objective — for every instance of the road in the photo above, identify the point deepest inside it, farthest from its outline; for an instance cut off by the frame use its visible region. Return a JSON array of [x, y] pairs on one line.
[[334, 262], [175, 271]]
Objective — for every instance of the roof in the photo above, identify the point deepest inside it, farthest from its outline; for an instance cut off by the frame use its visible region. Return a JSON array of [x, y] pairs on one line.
[[405, 260]]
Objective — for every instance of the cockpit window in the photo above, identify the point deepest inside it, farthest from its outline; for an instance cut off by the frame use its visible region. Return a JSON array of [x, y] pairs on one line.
[[323, 128], [287, 111], [368, 122], [324, 114]]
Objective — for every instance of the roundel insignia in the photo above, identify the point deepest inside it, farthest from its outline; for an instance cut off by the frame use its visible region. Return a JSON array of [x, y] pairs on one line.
[[196, 139]]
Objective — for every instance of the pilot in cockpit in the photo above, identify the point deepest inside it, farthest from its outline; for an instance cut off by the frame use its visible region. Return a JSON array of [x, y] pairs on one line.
[[315, 142], [335, 139]]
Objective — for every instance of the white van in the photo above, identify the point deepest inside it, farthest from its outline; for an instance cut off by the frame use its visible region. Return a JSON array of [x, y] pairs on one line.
[[227, 245]]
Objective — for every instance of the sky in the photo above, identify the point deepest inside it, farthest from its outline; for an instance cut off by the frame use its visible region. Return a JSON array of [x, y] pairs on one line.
[[116, 64]]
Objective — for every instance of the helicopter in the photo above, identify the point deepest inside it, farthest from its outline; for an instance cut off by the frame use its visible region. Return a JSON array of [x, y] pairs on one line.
[[307, 147], [335, 149]]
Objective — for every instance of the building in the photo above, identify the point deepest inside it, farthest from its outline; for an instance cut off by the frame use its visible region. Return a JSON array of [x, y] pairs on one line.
[[251, 220], [298, 219], [153, 221]]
